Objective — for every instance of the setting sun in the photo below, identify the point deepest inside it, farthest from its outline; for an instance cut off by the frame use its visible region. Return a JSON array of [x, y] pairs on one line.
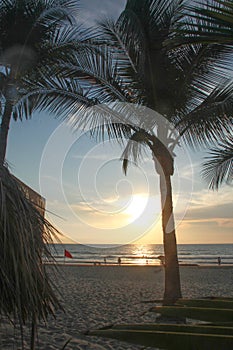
[[136, 207]]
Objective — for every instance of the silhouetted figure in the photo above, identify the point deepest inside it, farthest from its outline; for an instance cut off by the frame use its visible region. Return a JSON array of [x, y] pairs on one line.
[[119, 261], [105, 260], [162, 259], [219, 260]]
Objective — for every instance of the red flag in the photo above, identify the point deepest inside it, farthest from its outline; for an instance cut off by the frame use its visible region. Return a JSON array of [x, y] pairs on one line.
[[67, 254]]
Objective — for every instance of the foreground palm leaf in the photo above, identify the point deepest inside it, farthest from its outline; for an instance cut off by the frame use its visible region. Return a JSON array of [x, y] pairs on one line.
[[26, 292]]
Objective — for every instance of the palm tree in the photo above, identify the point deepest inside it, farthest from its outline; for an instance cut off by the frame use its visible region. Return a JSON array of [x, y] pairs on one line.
[[180, 85]]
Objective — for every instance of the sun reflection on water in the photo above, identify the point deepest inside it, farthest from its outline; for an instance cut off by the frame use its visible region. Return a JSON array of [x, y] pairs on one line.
[[142, 255]]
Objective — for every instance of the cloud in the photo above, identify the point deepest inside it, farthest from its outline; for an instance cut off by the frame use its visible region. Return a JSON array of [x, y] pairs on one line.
[[206, 198], [212, 221], [186, 171], [94, 10], [210, 208], [223, 211], [104, 156]]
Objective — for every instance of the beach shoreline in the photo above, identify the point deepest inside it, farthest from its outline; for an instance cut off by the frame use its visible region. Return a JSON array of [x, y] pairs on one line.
[[102, 264], [99, 296]]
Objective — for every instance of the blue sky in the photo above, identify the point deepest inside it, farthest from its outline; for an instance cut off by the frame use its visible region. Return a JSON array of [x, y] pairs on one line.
[[84, 185]]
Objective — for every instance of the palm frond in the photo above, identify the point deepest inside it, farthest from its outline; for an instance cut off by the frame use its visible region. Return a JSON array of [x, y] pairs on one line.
[[218, 167], [113, 35], [61, 97], [62, 46], [113, 120], [52, 13], [25, 288], [45, 36], [33, 19], [68, 100], [102, 70], [158, 14], [195, 30], [218, 16], [134, 149], [211, 119], [157, 67], [199, 24]]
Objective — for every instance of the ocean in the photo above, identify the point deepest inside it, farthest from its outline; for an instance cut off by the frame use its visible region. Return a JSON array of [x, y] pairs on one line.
[[147, 254]]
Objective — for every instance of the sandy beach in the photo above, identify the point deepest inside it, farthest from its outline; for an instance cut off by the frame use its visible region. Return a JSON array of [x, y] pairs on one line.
[[97, 296]]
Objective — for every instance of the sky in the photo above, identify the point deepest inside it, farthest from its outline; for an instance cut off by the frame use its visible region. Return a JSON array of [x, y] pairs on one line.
[[90, 200]]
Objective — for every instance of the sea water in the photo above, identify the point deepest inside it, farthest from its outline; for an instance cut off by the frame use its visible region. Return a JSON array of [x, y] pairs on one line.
[[146, 254]]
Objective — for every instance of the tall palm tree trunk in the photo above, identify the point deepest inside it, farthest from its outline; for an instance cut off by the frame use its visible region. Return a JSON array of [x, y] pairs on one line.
[[4, 130], [172, 290], [164, 165]]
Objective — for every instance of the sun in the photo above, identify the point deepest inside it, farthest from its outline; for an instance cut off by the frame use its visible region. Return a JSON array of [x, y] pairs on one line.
[[136, 206]]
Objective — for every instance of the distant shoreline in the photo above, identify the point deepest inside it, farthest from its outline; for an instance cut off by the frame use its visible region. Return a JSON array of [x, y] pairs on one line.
[[102, 264], [149, 255]]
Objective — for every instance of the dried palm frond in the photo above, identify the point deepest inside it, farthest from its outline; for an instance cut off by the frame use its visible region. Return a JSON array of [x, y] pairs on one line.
[[25, 289]]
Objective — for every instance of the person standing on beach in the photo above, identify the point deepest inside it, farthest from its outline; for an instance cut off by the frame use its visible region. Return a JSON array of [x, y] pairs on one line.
[[162, 259], [219, 260], [119, 261]]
